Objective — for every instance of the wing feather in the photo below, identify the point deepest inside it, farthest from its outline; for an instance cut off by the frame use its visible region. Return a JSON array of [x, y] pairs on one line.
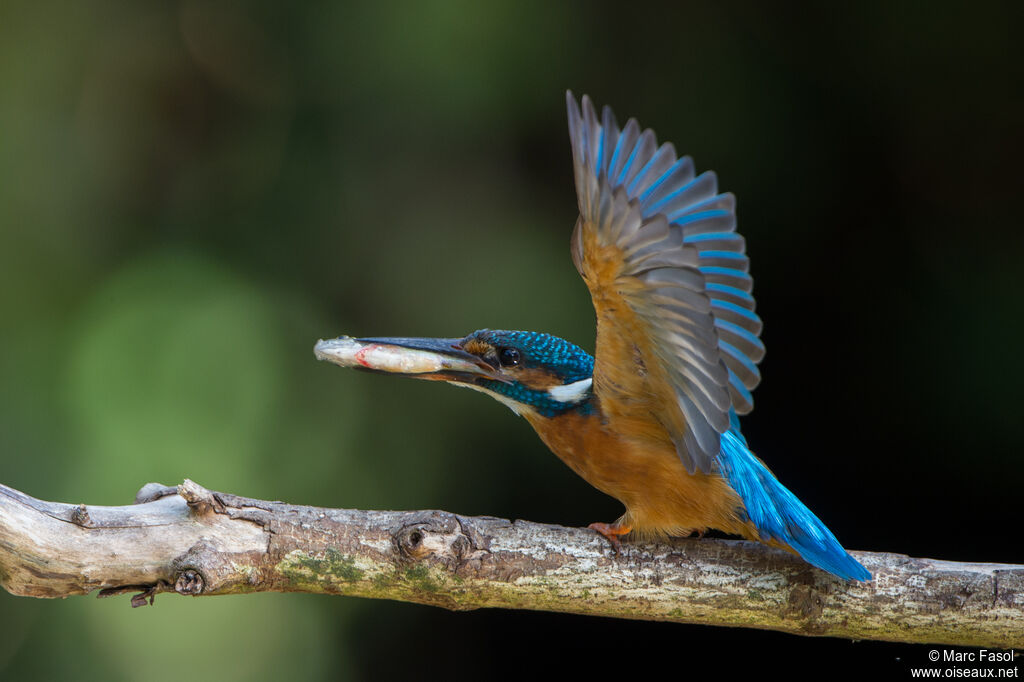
[[678, 338]]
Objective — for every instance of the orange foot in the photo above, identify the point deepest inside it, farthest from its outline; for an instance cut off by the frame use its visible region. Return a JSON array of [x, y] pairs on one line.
[[611, 533]]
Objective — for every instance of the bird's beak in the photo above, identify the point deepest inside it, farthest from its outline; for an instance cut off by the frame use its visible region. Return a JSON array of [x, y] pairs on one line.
[[419, 358]]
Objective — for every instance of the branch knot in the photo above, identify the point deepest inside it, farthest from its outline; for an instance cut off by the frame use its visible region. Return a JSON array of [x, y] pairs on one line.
[[436, 537], [80, 516], [189, 582]]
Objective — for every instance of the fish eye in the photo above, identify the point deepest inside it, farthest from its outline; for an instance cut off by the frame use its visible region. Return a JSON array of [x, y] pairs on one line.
[[508, 357]]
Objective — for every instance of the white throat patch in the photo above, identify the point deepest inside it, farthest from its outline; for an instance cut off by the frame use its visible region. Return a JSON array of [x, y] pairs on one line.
[[504, 400], [571, 393]]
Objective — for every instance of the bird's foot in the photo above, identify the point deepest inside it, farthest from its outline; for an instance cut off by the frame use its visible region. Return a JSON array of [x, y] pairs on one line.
[[611, 533]]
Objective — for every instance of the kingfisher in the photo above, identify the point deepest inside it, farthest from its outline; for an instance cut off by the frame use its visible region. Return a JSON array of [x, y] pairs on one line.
[[652, 418]]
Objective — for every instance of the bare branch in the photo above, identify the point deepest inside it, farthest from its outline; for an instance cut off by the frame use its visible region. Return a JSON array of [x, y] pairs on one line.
[[193, 541]]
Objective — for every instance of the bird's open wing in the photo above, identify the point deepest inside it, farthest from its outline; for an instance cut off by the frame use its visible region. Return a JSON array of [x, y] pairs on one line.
[[677, 336]]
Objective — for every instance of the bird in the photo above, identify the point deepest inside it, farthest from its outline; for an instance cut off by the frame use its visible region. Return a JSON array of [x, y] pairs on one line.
[[652, 418]]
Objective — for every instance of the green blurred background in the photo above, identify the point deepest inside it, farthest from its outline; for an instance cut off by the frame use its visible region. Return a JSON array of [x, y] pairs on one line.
[[191, 193]]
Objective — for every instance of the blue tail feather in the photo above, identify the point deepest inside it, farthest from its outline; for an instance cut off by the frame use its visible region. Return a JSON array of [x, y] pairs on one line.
[[778, 514]]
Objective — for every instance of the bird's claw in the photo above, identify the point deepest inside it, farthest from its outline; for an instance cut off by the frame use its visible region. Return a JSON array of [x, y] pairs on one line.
[[611, 533]]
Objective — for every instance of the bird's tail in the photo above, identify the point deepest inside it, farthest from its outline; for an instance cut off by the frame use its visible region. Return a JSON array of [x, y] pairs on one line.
[[778, 514]]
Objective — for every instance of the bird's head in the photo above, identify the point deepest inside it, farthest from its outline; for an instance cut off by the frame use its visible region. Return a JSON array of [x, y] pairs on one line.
[[530, 372]]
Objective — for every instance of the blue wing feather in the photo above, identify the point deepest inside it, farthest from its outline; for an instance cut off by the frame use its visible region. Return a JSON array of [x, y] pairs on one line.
[[727, 307], [722, 291], [737, 385]]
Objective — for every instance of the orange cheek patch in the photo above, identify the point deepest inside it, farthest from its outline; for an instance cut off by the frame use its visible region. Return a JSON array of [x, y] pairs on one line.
[[537, 379]]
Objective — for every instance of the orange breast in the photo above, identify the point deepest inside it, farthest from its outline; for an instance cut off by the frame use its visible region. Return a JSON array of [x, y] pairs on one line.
[[644, 473]]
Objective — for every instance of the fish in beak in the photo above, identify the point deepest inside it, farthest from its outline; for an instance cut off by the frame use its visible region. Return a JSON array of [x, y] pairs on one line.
[[418, 358]]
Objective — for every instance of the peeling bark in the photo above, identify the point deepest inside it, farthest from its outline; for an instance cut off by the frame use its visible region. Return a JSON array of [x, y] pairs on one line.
[[193, 541]]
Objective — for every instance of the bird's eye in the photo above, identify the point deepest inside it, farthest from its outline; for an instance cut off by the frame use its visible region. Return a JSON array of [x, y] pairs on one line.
[[508, 357]]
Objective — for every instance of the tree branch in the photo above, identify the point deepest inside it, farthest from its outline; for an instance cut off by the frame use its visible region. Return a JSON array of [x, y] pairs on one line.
[[190, 540]]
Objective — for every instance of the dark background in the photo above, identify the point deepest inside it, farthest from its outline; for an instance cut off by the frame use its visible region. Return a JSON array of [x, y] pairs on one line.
[[192, 193]]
